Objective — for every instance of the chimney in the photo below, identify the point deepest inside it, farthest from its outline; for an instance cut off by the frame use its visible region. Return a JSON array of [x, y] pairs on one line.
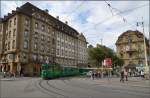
[[46, 10], [9, 14], [66, 22], [5, 17], [13, 11], [57, 17], [17, 9]]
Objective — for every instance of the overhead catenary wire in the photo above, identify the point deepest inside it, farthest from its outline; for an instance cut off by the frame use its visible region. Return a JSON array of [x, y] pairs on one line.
[[121, 12], [123, 18], [109, 7], [73, 11]]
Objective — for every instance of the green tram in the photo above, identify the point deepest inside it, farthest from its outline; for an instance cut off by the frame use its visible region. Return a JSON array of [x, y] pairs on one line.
[[50, 71]]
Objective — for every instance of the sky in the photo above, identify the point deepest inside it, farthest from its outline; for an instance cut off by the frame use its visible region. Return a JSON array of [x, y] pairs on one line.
[[95, 19]]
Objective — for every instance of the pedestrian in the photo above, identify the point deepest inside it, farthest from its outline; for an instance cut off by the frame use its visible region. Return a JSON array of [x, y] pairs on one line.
[[130, 72], [93, 75], [122, 76], [142, 74], [99, 74], [126, 75]]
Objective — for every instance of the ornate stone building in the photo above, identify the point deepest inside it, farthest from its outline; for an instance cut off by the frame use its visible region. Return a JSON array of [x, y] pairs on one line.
[[130, 47], [30, 36]]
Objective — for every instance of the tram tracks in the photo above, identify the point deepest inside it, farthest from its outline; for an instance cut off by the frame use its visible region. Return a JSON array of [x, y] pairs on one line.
[[50, 85], [106, 89], [48, 91]]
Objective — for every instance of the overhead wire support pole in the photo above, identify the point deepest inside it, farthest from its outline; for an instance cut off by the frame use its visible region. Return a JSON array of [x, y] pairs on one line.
[[145, 48]]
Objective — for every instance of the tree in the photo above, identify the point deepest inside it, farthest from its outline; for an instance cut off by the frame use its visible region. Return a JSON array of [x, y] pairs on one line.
[[117, 61], [96, 55], [99, 53]]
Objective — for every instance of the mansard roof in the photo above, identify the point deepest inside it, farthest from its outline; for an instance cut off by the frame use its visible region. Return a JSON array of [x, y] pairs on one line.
[[29, 9]]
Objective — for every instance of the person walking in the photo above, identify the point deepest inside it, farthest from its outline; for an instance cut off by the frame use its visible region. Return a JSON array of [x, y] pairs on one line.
[[142, 74], [92, 75], [122, 76], [126, 75]]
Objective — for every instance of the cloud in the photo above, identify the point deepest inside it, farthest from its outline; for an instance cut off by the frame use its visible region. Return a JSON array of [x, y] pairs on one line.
[[93, 18]]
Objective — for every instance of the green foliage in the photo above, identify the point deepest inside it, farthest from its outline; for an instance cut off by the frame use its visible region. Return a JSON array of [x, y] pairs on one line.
[[99, 53]]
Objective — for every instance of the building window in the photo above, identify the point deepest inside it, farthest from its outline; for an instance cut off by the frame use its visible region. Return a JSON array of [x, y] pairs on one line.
[[0, 28], [42, 37], [129, 39], [35, 57], [24, 56], [48, 29], [53, 41], [48, 39], [36, 25], [42, 47], [130, 55], [36, 34], [26, 32], [35, 46], [14, 21], [41, 58], [27, 22], [43, 27], [25, 44], [57, 52], [14, 32], [8, 45], [52, 33], [10, 23], [13, 44], [9, 34]]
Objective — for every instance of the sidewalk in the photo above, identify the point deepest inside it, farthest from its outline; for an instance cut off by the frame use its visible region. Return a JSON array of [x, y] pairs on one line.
[[7, 79], [14, 78], [132, 81]]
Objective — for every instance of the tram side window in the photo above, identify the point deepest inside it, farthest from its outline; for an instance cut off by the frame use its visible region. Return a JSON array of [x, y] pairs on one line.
[[45, 67]]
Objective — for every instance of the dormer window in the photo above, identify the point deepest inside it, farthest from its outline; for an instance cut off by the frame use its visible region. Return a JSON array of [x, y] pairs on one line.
[[129, 39], [33, 9]]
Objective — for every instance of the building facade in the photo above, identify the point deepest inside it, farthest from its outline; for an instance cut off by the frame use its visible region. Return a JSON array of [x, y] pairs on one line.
[[30, 36], [130, 47]]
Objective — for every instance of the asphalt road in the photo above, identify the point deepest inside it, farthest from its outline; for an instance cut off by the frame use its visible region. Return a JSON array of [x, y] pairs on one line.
[[76, 87]]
